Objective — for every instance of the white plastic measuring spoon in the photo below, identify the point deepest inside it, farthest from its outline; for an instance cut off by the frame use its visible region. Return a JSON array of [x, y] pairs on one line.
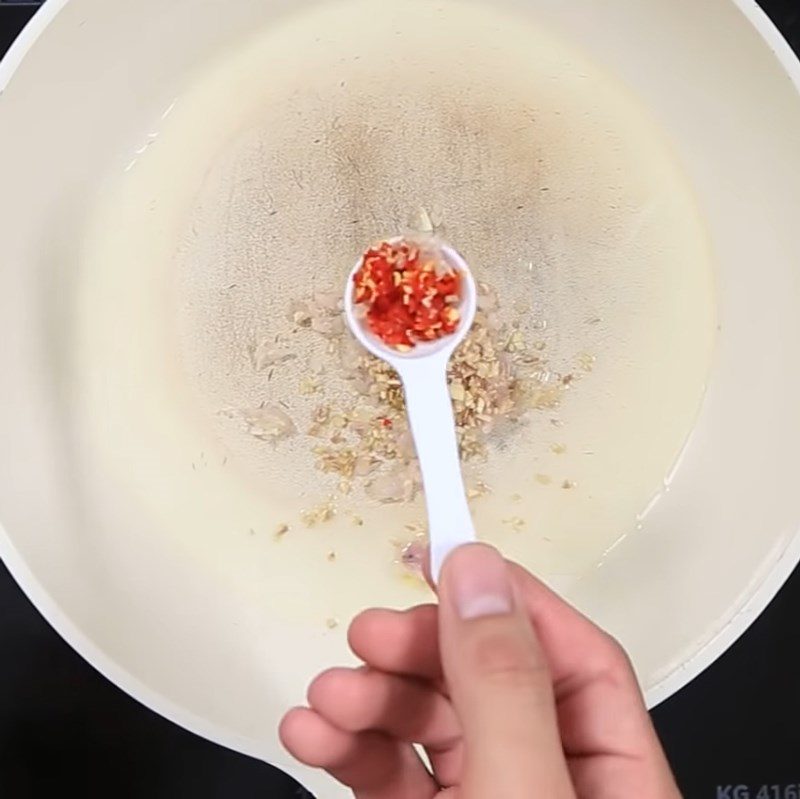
[[423, 371]]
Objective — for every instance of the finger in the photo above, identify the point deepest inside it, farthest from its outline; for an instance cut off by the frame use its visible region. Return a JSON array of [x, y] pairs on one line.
[[580, 655], [499, 682], [403, 642], [563, 630], [372, 765], [601, 710], [358, 700]]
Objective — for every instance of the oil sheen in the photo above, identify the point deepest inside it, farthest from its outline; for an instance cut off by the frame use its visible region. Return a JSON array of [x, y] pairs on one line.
[[276, 166]]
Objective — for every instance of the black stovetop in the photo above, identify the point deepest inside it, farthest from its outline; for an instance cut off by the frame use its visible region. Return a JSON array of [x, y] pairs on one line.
[[734, 732]]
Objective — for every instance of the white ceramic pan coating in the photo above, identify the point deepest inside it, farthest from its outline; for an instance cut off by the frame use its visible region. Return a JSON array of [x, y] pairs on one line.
[[74, 90]]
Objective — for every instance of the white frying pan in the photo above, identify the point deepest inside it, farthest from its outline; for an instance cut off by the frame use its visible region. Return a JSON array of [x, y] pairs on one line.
[[214, 631]]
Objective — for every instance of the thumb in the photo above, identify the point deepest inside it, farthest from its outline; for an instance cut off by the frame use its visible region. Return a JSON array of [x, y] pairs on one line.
[[499, 682]]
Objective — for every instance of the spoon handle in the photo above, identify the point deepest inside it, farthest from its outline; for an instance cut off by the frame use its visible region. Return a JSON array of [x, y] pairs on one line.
[[430, 414]]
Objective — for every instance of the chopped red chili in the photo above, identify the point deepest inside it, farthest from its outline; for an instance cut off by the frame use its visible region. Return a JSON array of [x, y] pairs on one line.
[[411, 296]]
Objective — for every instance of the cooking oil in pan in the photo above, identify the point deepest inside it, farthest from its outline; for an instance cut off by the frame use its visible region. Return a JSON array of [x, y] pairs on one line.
[[279, 163]]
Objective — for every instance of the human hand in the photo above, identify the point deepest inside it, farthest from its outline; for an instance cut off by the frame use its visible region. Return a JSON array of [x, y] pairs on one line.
[[511, 692]]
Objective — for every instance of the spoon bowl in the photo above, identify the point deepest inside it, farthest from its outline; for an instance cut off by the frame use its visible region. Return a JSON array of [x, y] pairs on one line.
[[426, 349]]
